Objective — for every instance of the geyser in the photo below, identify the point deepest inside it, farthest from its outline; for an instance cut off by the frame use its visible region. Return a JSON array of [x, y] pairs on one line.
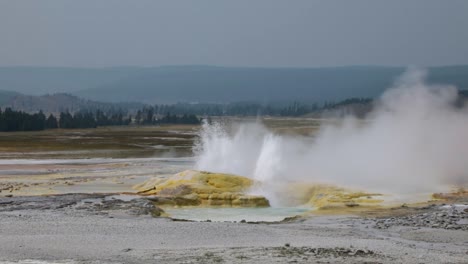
[[414, 141]]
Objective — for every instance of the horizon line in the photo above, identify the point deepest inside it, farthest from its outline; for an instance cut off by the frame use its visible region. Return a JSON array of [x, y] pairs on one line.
[[230, 66]]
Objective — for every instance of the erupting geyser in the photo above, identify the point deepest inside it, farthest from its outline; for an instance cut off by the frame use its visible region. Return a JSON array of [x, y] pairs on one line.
[[415, 141]]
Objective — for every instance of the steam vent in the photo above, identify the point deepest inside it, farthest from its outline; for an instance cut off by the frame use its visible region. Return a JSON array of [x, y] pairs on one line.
[[199, 188]]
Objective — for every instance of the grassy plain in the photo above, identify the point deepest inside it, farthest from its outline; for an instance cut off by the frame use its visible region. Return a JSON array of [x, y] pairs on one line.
[[108, 142]]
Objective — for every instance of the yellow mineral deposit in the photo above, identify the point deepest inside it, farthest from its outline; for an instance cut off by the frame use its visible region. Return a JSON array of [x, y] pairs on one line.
[[326, 197], [336, 198], [191, 187], [200, 188]]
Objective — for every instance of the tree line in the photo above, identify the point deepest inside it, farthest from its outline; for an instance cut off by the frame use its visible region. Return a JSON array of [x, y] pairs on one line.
[[181, 113], [148, 116], [147, 113], [11, 120], [228, 109]]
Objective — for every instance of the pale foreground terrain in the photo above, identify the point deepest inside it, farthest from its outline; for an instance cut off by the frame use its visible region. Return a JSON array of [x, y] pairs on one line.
[[58, 204], [74, 229]]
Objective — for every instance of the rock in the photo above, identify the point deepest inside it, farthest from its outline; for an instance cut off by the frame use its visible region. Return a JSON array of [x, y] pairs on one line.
[[198, 188]]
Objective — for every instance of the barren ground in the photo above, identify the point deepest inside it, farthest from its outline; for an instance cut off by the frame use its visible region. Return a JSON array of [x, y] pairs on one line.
[[44, 219]]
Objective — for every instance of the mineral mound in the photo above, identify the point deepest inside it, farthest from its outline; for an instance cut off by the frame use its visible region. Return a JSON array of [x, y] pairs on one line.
[[323, 196], [200, 188]]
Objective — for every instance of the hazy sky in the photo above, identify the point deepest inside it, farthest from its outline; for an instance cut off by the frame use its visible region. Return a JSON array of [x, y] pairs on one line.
[[237, 32]]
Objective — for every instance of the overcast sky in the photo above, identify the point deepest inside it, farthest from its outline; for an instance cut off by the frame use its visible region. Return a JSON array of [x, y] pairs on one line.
[[233, 33]]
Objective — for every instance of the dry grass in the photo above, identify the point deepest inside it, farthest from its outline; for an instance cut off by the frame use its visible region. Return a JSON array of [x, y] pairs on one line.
[[100, 142]]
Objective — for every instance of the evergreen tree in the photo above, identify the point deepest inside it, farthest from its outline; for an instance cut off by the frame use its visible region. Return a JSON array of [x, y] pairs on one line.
[[66, 120], [51, 122]]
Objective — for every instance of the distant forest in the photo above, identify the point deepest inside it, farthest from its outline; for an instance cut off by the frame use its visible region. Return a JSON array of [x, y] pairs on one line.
[[11, 120], [292, 109], [182, 113]]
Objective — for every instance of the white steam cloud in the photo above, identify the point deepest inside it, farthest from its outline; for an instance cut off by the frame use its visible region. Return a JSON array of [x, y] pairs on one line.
[[415, 141]]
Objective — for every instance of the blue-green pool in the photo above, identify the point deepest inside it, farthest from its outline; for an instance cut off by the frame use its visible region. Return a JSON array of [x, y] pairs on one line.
[[221, 214]]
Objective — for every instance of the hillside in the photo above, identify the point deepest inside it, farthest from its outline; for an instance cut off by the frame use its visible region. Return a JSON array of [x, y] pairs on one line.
[[57, 103], [49, 80], [218, 84], [208, 84], [6, 96]]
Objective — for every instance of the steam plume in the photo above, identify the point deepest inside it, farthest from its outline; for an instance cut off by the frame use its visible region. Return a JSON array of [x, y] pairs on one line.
[[416, 140]]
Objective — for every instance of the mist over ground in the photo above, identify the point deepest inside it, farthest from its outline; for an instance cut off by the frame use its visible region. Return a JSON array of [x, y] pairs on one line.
[[415, 140]]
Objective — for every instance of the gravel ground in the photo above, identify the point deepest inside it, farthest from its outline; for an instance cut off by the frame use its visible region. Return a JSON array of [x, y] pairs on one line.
[[453, 217], [74, 230]]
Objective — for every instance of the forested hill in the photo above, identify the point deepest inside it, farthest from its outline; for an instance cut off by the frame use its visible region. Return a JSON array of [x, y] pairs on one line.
[[57, 103], [6, 96], [50, 80], [208, 84], [218, 84]]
